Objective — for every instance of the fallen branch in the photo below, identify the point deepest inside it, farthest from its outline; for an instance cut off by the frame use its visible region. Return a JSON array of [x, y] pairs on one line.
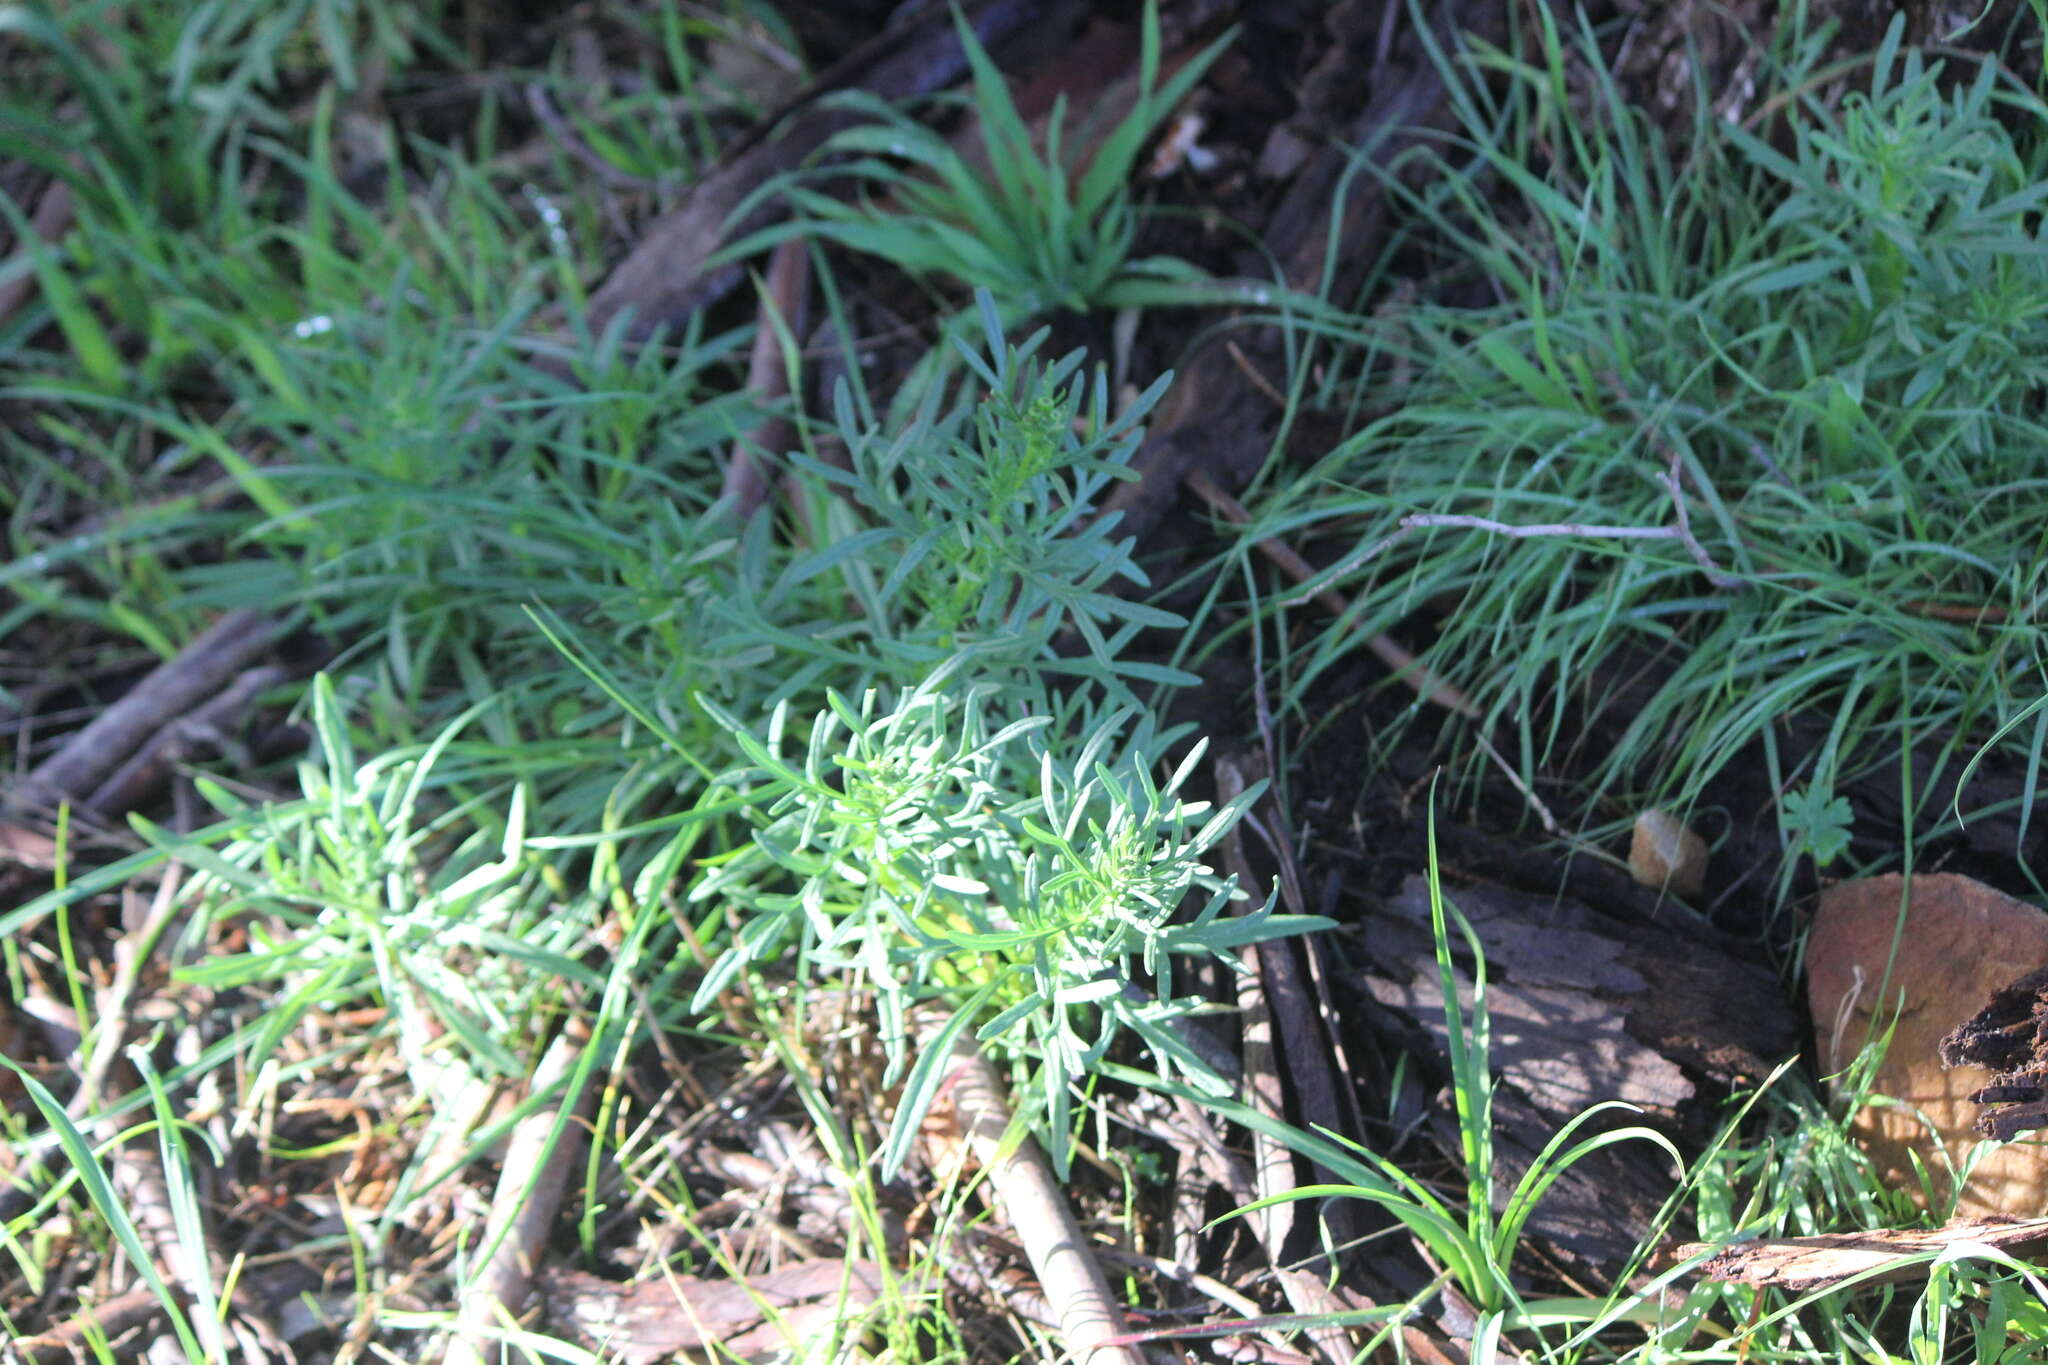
[[523, 1209], [664, 279], [1513, 532], [781, 318], [1262, 1089], [562, 135], [107, 1320], [1406, 666], [199, 729], [1036, 1205], [794, 1310], [1670, 481], [199, 671]]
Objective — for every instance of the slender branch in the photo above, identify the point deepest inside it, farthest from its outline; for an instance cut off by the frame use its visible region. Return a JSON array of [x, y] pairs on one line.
[[1410, 669], [53, 216], [566, 137], [1680, 531], [1390, 652], [539, 1164], [1684, 528], [1553, 528], [1036, 1204]]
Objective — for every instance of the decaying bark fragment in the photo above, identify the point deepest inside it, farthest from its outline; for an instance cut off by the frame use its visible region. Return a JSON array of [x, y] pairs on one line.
[[2006, 1037], [1585, 1008], [1805, 1265]]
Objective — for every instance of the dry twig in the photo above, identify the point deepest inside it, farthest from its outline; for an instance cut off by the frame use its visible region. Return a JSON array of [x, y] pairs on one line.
[[1272, 1161], [1036, 1206], [109, 1319], [200, 671], [1406, 666], [523, 1209], [1680, 530], [568, 140]]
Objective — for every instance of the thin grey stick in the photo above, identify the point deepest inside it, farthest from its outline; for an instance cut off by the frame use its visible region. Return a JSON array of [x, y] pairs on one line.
[[1684, 529], [1550, 528], [1681, 532]]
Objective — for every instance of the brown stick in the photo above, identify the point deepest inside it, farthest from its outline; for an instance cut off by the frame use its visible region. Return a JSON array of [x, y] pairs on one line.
[[1405, 665], [782, 314], [564, 136], [53, 216], [523, 1209], [1037, 1207], [201, 669], [142, 774], [1261, 1003], [663, 279], [1698, 551], [67, 1341]]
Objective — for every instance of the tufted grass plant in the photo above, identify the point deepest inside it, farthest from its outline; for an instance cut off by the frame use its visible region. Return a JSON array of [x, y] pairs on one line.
[[1833, 347], [1036, 226]]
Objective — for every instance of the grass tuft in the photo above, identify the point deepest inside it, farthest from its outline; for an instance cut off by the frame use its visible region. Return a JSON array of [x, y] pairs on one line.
[[1826, 345]]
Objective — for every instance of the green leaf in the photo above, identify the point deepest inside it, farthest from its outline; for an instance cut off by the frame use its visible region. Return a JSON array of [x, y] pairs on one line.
[[1818, 821], [934, 1060]]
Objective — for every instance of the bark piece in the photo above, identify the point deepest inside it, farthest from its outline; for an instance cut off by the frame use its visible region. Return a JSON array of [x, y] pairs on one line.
[[1958, 942], [1585, 1008], [1804, 1265], [2006, 1037]]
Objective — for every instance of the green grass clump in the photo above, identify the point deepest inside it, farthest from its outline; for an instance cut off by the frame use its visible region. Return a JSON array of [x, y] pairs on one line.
[[1835, 348], [1019, 220]]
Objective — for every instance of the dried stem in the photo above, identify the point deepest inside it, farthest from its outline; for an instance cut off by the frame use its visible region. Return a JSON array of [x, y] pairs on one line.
[[781, 315], [1036, 1204], [539, 1164]]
